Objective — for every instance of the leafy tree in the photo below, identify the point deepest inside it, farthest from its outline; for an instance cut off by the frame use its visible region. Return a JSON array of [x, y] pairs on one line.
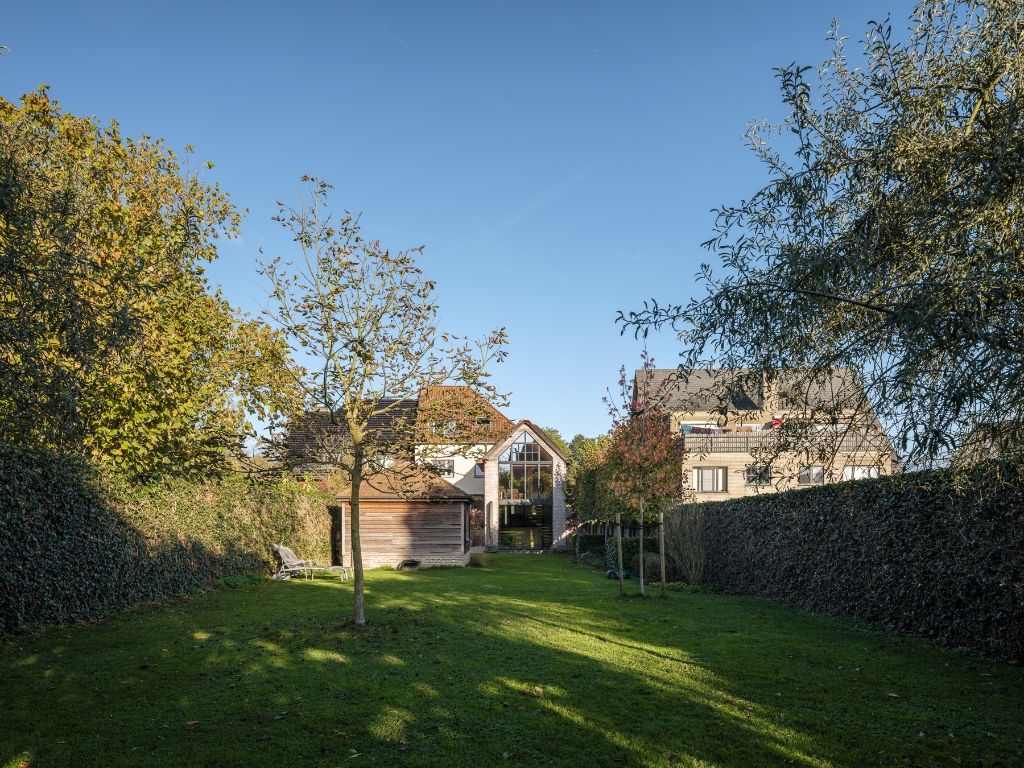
[[644, 456], [586, 456], [111, 344], [889, 239], [364, 320], [556, 436]]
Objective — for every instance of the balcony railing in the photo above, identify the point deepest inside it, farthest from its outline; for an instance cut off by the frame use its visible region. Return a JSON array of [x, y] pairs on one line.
[[849, 443]]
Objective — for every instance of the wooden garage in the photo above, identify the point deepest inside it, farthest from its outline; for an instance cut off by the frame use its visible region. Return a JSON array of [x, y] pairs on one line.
[[427, 521]]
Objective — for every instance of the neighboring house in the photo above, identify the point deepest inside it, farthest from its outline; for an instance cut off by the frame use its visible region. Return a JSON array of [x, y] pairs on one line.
[[475, 477], [742, 436]]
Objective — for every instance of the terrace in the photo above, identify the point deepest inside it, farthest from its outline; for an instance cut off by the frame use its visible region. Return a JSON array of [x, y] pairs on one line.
[[769, 440]]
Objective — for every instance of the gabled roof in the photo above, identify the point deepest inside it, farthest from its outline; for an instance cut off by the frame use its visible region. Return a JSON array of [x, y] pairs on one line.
[[499, 447], [303, 431], [473, 418]]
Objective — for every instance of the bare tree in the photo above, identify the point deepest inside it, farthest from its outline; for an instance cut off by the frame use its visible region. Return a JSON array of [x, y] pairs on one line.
[[363, 321]]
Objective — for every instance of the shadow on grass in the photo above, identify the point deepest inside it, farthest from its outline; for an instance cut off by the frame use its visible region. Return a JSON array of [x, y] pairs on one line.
[[519, 664]]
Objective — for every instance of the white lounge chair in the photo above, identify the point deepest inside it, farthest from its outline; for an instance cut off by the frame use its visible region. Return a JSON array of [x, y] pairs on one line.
[[290, 565]]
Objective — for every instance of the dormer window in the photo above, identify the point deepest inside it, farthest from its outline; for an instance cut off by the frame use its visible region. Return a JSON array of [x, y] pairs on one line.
[[443, 467], [447, 428]]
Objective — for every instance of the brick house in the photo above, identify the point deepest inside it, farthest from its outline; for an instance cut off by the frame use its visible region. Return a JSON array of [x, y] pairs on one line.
[[731, 424], [475, 478]]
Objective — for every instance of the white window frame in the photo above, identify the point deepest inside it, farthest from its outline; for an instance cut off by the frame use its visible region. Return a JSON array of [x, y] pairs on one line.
[[446, 428], [767, 468], [810, 471], [443, 467], [719, 479], [861, 471]]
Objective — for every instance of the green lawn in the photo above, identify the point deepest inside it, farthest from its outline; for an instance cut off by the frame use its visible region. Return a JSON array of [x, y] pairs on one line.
[[532, 661]]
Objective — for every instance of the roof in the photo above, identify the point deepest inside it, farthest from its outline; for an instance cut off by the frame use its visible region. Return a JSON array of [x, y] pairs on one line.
[[539, 433], [469, 416], [408, 482], [306, 430], [702, 390], [743, 389], [468, 419]]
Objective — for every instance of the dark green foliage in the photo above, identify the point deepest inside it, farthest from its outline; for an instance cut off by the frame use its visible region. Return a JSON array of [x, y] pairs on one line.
[[630, 549], [76, 544], [589, 542], [922, 553]]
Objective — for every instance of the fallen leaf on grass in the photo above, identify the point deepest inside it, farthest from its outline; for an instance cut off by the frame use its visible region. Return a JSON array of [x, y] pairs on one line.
[[191, 723]]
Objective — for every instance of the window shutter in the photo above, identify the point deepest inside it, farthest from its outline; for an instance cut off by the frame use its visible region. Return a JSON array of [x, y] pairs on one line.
[[693, 478], [722, 479]]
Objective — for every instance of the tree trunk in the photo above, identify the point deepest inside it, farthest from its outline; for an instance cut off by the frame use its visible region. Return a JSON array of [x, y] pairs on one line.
[[618, 548], [337, 513], [358, 608], [661, 548], [642, 592]]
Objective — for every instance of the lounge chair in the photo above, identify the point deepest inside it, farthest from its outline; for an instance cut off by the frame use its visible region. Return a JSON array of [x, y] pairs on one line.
[[290, 565]]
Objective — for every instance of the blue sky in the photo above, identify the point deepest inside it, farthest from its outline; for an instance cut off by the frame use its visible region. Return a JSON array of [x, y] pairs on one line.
[[558, 160]]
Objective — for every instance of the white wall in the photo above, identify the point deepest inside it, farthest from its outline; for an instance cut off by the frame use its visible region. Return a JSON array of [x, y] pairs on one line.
[[465, 457]]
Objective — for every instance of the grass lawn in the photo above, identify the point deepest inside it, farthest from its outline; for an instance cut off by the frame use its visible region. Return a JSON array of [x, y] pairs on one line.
[[532, 661]]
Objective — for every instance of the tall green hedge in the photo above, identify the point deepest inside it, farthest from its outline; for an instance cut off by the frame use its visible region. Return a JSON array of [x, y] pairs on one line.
[[589, 542], [75, 545], [931, 553], [630, 550]]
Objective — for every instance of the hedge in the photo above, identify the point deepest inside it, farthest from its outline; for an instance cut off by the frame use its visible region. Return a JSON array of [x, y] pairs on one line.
[[630, 550], [931, 553], [75, 545], [589, 542]]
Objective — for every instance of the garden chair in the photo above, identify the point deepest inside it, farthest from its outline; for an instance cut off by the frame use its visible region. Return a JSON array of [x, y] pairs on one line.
[[290, 565]]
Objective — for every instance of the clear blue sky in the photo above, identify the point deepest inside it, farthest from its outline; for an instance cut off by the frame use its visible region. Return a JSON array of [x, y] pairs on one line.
[[558, 159]]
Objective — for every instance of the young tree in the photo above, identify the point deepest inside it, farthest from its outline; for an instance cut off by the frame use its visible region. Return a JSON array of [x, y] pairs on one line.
[[645, 458], [364, 321], [889, 241], [111, 343]]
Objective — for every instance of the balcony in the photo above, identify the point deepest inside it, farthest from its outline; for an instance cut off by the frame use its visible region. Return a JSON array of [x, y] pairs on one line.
[[768, 441]]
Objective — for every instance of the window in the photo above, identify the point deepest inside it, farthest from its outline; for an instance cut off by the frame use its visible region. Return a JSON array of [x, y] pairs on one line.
[[759, 475], [478, 470], [447, 428], [525, 471], [812, 476], [443, 467], [860, 472], [710, 479], [483, 421]]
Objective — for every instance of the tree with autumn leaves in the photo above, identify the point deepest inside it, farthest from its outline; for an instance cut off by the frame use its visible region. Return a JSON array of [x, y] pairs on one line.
[[641, 470], [113, 345]]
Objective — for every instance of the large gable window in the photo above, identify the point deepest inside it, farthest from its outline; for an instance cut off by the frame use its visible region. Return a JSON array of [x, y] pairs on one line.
[[524, 471]]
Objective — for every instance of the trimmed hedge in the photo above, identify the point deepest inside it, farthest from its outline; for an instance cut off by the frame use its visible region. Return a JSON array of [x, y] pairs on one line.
[[630, 550], [589, 542], [924, 553], [75, 545]]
